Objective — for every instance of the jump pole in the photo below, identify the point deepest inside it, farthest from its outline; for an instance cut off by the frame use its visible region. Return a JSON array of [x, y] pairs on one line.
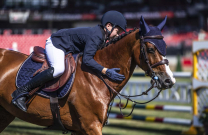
[[152, 119], [159, 107]]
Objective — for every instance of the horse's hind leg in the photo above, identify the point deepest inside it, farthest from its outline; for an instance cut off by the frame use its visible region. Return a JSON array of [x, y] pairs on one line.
[[5, 118]]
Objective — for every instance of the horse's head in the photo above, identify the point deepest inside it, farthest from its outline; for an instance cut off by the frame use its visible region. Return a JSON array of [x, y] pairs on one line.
[[149, 53]]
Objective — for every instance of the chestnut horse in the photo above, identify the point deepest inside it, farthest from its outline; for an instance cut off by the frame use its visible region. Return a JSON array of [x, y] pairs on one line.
[[84, 110]]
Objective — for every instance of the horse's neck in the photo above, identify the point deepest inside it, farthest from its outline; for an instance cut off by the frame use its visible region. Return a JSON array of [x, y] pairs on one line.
[[119, 55]]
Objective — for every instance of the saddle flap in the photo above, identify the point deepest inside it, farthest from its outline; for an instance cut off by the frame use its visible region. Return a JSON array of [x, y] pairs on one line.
[[27, 70], [69, 69], [53, 85]]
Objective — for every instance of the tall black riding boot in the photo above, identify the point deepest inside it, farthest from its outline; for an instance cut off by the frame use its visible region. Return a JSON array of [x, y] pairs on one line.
[[19, 94]]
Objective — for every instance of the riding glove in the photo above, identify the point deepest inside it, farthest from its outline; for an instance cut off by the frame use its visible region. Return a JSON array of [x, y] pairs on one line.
[[112, 74]]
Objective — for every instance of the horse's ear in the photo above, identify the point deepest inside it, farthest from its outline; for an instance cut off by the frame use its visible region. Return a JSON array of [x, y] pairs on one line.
[[143, 25], [162, 24]]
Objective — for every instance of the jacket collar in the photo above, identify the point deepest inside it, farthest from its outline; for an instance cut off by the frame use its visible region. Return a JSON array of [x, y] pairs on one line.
[[103, 32]]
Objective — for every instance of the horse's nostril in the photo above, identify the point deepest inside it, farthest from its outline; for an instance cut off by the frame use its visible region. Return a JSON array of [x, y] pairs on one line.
[[168, 81]]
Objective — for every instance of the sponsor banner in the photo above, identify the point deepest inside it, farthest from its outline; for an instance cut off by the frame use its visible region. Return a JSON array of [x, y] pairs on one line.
[[18, 17], [89, 16], [128, 15], [155, 15], [61, 17], [38, 16], [68, 17]]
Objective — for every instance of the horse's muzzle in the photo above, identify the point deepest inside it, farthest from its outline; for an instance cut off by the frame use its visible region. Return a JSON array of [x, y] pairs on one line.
[[167, 83], [164, 82]]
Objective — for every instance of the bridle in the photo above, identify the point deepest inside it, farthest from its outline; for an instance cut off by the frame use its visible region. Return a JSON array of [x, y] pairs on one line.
[[143, 53], [149, 72]]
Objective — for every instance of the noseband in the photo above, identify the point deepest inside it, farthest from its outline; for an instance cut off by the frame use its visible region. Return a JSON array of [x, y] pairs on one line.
[[143, 53]]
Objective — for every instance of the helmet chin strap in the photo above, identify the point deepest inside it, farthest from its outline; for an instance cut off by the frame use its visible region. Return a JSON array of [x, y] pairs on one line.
[[109, 32]]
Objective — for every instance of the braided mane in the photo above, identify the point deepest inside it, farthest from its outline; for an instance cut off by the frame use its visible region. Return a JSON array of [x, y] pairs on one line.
[[119, 37]]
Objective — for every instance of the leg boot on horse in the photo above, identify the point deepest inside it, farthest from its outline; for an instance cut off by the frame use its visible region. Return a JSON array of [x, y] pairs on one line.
[[19, 94]]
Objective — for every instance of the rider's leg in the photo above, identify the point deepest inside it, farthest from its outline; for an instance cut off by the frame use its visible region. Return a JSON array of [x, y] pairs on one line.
[[56, 60], [39, 79]]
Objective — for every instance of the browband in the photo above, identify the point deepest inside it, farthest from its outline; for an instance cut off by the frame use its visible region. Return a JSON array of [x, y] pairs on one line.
[[154, 37]]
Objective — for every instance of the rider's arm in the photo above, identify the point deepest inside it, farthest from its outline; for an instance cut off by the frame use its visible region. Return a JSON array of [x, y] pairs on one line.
[[88, 59], [90, 49]]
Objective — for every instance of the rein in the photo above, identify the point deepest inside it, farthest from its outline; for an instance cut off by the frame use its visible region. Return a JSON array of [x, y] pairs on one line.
[[149, 72]]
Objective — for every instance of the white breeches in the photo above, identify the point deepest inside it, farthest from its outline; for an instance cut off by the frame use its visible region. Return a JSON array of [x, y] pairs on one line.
[[55, 58]]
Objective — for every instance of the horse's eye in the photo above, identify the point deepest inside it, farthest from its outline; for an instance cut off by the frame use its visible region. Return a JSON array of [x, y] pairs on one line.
[[150, 50]]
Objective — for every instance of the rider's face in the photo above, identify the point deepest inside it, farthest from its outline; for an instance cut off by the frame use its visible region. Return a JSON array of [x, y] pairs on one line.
[[116, 31]]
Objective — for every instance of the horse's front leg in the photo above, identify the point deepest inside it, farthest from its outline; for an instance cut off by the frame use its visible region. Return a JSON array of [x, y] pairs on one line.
[[5, 118], [93, 129]]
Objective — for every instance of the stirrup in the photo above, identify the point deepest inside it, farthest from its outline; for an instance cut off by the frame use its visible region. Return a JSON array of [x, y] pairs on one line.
[[20, 104], [21, 95]]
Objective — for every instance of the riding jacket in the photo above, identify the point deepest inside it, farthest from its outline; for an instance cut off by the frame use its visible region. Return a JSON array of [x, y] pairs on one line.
[[83, 39]]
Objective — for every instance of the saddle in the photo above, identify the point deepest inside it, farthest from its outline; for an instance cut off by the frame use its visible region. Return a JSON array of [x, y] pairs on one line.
[[53, 85]]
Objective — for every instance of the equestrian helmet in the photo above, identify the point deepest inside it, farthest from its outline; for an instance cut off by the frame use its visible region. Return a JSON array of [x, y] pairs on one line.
[[115, 18]]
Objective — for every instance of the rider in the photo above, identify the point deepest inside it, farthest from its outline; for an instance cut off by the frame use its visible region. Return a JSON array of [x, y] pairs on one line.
[[75, 40]]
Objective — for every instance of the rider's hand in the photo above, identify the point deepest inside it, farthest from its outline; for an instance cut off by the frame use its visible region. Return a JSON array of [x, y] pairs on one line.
[[112, 74]]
